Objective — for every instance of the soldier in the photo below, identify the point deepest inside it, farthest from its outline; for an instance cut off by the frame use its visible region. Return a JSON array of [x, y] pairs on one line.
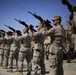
[[7, 48], [56, 51], [25, 51], [14, 50], [31, 31], [38, 54], [2, 49], [1, 57]]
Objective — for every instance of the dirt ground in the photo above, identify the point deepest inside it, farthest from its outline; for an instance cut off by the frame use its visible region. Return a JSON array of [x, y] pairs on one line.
[[69, 69]]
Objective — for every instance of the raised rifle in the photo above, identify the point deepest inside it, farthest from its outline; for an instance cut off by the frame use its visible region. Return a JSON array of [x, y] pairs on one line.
[[47, 22], [21, 22], [2, 34], [24, 23], [32, 28], [10, 27], [48, 25], [65, 2], [36, 16], [2, 31], [18, 31]]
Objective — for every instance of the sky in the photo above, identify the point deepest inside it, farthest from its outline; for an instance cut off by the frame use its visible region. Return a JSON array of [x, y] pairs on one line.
[[47, 9]]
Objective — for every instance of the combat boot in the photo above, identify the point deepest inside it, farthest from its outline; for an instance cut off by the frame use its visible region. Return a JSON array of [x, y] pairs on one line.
[[0, 65], [9, 70], [4, 67], [19, 73], [29, 73]]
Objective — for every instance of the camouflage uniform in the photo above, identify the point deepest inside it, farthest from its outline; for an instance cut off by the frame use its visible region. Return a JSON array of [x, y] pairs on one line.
[[32, 42], [56, 51], [14, 51], [6, 50], [25, 52], [2, 50], [38, 55]]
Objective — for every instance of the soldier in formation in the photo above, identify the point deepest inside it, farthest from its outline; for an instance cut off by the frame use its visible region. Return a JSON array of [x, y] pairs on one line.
[[25, 51], [38, 54], [2, 48], [8, 42], [56, 50], [14, 50]]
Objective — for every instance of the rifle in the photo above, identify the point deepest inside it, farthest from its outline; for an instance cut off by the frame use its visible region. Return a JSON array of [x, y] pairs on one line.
[[36, 16], [47, 23], [10, 27], [65, 2], [69, 23], [2, 30], [32, 28], [18, 31], [21, 22], [2, 34]]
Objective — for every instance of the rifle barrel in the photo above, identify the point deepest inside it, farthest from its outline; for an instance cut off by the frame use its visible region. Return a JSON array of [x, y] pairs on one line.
[[30, 12]]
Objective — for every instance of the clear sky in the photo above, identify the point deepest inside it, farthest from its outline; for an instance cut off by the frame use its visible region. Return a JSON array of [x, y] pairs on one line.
[[10, 9]]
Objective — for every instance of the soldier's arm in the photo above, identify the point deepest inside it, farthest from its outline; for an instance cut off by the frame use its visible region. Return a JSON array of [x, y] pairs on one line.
[[35, 34], [30, 32], [70, 9], [19, 38], [25, 36], [49, 32]]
